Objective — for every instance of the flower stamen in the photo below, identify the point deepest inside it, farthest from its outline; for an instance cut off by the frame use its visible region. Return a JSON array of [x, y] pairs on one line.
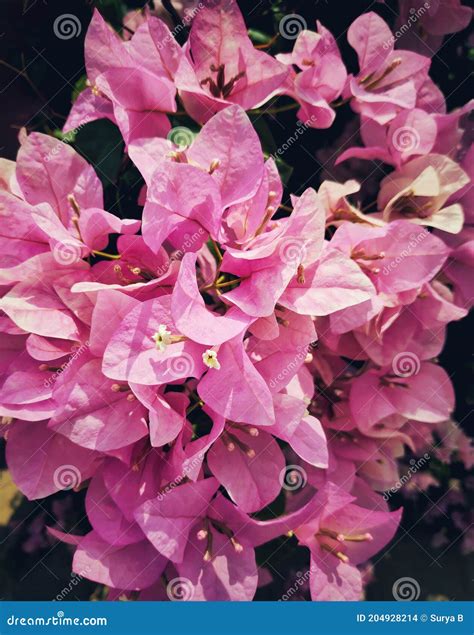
[[209, 357]]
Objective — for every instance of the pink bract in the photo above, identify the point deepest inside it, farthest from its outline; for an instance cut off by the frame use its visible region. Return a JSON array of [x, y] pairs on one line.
[[241, 358]]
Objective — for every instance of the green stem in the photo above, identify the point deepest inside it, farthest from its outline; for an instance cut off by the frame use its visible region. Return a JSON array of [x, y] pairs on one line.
[[104, 255], [274, 111]]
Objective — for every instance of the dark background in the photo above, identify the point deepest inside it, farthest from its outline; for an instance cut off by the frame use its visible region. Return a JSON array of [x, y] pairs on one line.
[[38, 76]]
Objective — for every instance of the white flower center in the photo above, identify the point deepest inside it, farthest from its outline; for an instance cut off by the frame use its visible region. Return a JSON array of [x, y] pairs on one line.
[[162, 338], [209, 358]]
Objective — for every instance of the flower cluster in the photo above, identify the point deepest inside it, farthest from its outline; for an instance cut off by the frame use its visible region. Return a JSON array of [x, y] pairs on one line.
[[227, 350]]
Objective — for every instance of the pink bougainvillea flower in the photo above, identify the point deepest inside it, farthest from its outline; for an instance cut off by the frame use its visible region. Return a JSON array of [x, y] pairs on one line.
[[130, 83], [341, 532], [20, 238], [167, 520], [275, 256], [65, 199], [227, 149], [280, 351], [302, 431], [385, 254], [115, 493], [333, 283], [430, 22], [45, 307], [241, 358], [135, 479], [188, 452], [110, 309], [191, 316], [420, 190], [222, 66], [248, 463], [137, 271], [388, 79], [27, 387], [238, 391], [422, 394], [172, 337], [43, 462], [135, 353], [106, 517], [181, 198], [338, 208], [321, 77], [340, 537], [94, 412], [167, 412], [417, 327], [410, 133], [131, 567], [243, 220], [219, 560]]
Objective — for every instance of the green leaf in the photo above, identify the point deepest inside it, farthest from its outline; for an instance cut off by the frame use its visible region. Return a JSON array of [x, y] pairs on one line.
[[79, 86], [101, 144], [269, 146], [67, 137], [112, 10], [263, 130], [284, 169], [258, 37]]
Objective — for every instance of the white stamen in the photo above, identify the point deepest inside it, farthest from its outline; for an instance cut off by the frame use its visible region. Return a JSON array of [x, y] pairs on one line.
[[162, 338], [209, 358]]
